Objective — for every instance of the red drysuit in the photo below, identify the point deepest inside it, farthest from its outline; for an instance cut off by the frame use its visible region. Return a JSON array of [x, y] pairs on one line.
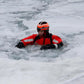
[[42, 40]]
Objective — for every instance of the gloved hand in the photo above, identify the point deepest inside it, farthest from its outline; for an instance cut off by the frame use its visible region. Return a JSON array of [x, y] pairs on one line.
[[49, 46], [20, 45]]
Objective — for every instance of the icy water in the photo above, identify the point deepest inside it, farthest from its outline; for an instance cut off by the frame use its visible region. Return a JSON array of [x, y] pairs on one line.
[[18, 19]]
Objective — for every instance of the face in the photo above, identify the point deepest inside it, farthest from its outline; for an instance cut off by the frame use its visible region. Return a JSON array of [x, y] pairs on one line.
[[40, 33]]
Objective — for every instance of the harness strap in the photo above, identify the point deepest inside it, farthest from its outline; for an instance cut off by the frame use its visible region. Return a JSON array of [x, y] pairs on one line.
[[50, 38], [36, 38]]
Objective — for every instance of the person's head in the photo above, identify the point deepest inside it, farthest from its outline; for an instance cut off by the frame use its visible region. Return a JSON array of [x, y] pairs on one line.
[[42, 27]]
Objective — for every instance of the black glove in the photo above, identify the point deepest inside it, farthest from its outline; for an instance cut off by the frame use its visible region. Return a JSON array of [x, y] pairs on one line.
[[60, 45], [20, 45], [49, 46]]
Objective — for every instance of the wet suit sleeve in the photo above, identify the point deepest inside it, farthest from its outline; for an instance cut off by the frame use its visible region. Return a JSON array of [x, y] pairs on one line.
[[57, 41], [26, 41]]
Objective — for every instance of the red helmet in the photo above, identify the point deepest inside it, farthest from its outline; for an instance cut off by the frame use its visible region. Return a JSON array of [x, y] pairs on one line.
[[43, 26]]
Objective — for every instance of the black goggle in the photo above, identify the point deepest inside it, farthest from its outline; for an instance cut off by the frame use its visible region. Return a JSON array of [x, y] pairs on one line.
[[38, 29]]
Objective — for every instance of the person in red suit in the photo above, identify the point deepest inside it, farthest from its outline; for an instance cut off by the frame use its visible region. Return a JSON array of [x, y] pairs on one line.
[[43, 38]]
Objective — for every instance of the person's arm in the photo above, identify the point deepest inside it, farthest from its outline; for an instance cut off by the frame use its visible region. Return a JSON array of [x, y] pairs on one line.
[[26, 41], [57, 43]]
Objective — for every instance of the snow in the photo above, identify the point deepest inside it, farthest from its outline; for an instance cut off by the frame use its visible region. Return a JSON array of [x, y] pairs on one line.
[[19, 19]]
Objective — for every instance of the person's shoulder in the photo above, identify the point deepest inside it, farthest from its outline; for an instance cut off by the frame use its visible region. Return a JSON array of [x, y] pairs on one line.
[[55, 36], [34, 35]]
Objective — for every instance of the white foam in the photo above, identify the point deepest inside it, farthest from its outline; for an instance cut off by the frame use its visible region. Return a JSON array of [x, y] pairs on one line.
[[65, 19]]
